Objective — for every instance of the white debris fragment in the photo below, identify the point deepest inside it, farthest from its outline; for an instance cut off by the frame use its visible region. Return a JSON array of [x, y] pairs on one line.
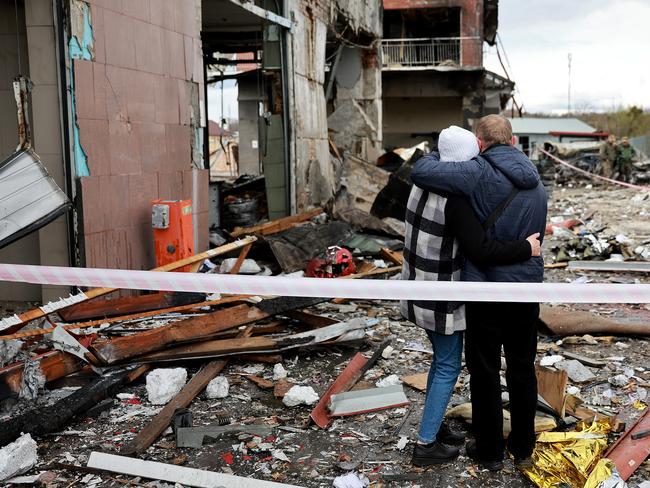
[[249, 266], [573, 390], [125, 396], [379, 263], [164, 383], [300, 395], [551, 360], [350, 480], [217, 388], [401, 444], [390, 380], [278, 454], [8, 351], [577, 372], [18, 457], [252, 369], [279, 372], [619, 380], [621, 345], [387, 352]]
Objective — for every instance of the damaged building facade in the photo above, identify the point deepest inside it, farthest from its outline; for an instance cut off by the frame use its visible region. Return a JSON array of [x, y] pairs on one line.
[[119, 113], [432, 71]]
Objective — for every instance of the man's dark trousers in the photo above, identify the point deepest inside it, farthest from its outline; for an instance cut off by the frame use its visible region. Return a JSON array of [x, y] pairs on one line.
[[513, 326]]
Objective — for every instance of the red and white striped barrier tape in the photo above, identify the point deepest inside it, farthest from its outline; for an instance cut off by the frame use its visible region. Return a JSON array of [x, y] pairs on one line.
[[329, 288], [595, 176]]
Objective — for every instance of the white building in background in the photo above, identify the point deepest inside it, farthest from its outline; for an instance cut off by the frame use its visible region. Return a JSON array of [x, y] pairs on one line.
[[531, 131]]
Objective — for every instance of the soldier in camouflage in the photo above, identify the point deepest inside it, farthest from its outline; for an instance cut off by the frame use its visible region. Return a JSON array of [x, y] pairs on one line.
[[608, 156], [625, 154]]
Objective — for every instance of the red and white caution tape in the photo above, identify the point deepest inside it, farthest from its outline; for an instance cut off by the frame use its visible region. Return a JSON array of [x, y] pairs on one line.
[[595, 176], [329, 288]]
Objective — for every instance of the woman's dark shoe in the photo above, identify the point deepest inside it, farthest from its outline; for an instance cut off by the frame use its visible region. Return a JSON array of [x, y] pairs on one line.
[[448, 436], [489, 464], [434, 453]]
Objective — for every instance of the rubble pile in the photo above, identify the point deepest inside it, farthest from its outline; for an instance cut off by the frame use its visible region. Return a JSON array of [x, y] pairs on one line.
[[297, 391]]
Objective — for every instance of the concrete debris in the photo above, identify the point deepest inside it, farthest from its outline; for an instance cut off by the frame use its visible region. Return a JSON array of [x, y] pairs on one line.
[[249, 266], [163, 384], [18, 457], [279, 372], [576, 370], [551, 360], [619, 380], [390, 380], [300, 395], [217, 388], [350, 480]]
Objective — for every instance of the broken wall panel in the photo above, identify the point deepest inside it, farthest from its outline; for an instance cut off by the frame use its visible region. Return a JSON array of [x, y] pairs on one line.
[[138, 107]]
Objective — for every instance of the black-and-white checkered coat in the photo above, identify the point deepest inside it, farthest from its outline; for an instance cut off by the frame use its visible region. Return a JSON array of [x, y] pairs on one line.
[[431, 253]]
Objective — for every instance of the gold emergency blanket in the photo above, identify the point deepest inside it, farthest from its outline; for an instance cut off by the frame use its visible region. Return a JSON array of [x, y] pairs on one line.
[[568, 458]]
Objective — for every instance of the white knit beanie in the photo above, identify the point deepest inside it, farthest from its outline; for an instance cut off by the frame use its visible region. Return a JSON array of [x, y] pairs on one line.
[[457, 144]]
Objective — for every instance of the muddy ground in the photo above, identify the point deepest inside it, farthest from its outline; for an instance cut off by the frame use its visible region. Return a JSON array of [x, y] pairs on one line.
[[366, 444]]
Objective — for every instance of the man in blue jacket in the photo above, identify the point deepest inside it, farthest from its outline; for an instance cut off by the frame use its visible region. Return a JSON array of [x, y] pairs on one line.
[[500, 183]]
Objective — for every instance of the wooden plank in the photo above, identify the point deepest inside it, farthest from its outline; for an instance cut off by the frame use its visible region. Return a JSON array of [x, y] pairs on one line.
[[97, 292], [111, 320], [417, 381], [54, 364], [128, 305], [115, 350], [240, 259], [211, 348], [394, 257], [161, 421], [278, 225], [551, 385], [194, 328], [312, 320]]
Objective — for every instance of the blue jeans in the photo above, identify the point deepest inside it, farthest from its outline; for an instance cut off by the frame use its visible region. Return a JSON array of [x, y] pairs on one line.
[[444, 371]]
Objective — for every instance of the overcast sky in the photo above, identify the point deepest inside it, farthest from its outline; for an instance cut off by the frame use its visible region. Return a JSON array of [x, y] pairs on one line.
[[610, 45], [609, 41]]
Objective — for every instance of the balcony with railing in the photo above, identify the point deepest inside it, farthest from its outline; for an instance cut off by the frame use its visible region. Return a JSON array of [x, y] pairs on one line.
[[424, 53]]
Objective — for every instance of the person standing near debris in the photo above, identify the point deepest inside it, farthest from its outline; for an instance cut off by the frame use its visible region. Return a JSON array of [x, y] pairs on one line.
[[438, 230], [608, 153], [505, 192], [625, 154]]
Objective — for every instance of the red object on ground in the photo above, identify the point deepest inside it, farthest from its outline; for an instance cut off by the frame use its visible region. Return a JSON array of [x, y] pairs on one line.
[[567, 224], [627, 453], [348, 377], [227, 457], [337, 261]]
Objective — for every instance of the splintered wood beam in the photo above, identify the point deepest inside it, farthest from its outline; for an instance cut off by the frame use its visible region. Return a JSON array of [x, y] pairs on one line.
[[211, 348], [128, 305], [240, 259], [97, 292], [53, 364], [161, 421], [182, 308], [278, 225], [115, 350]]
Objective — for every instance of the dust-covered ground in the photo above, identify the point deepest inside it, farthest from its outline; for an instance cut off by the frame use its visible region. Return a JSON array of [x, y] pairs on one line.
[[296, 452]]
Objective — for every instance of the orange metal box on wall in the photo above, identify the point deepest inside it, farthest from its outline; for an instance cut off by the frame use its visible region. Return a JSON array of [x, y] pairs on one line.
[[173, 230]]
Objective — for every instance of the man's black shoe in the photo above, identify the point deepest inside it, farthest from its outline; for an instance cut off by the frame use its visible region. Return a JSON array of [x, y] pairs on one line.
[[490, 465], [434, 453], [524, 463], [448, 436]]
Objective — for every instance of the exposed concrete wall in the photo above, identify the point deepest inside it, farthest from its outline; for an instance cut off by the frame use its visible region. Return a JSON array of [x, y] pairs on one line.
[[139, 111], [356, 120], [404, 117], [26, 250]]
